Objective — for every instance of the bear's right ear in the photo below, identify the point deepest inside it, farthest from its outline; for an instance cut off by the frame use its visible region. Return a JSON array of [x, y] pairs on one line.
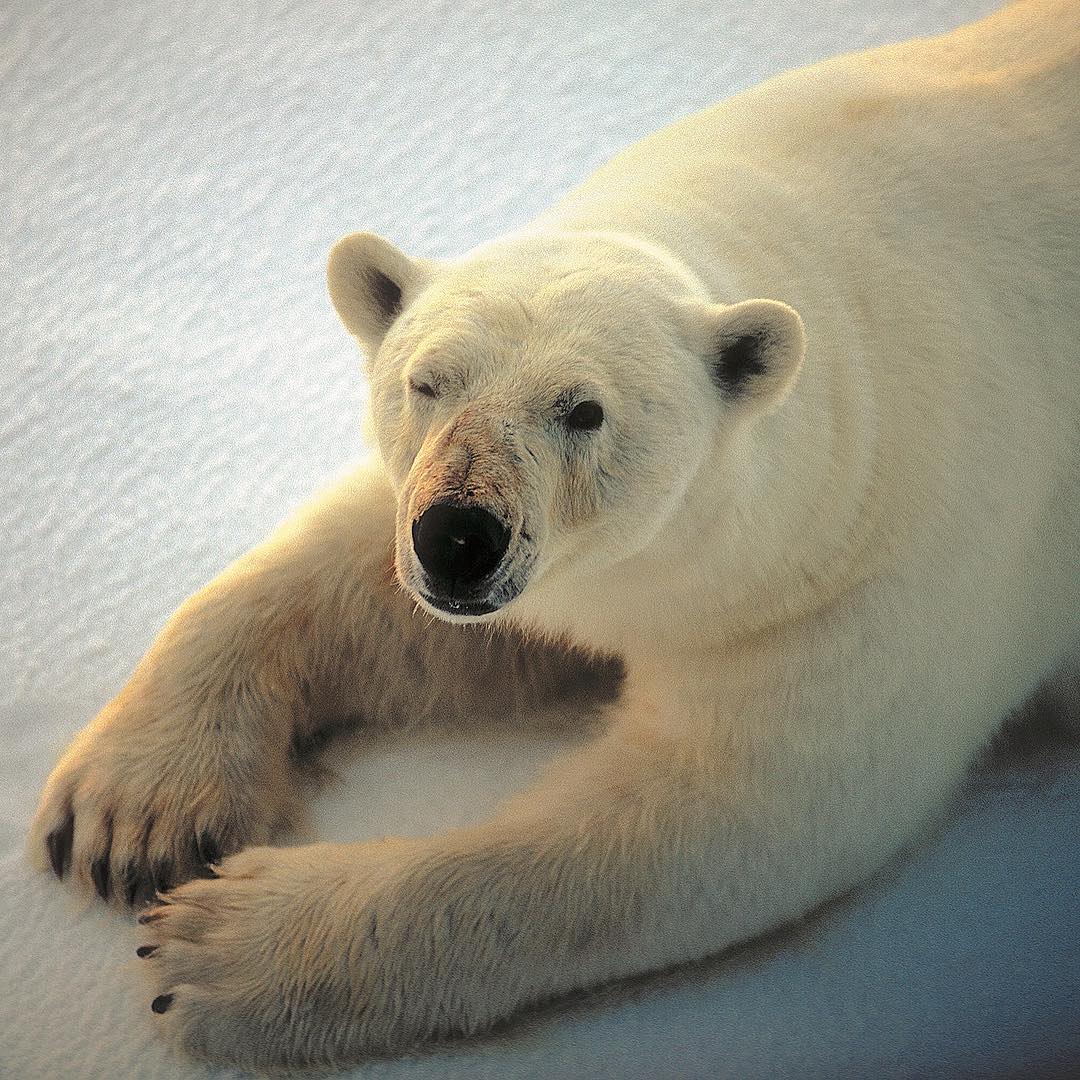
[[370, 283]]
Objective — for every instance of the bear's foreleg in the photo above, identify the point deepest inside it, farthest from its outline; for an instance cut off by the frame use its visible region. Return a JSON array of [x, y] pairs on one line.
[[665, 840], [195, 757]]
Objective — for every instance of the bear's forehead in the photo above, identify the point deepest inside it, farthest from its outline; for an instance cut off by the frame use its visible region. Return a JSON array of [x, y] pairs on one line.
[[500, 353], [524, 301], [474, 324], [578, 309]]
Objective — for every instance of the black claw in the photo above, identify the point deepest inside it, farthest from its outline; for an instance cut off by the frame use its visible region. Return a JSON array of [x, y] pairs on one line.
[[146, 950], [208, 848], [161, 1002], [59, 844], [207, 873], [149, 916], [99, 871]]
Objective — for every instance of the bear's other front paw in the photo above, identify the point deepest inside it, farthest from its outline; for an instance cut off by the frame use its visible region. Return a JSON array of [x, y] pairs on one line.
[[253, 967], [310, 956]]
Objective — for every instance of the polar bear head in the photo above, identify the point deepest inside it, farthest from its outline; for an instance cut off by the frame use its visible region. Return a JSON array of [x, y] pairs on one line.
[[542, 405]]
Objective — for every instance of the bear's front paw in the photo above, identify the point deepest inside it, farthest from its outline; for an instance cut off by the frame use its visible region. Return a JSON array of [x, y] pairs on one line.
[[317, 955], [143, 801]]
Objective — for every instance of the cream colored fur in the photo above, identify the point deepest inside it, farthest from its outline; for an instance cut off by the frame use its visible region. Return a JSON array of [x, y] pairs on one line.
[[827, 588]]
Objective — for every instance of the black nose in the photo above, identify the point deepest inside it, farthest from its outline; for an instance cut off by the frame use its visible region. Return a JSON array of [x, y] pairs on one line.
[[458, 545]]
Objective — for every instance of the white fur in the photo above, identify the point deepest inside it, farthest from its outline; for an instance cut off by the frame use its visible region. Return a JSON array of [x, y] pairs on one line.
[[827, 590]]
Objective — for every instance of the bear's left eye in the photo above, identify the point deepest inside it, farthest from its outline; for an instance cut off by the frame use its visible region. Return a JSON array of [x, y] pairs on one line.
[[585, 416], [424, 389]]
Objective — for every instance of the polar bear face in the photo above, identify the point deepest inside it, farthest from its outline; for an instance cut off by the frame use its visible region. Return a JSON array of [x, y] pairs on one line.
[[543, 405]]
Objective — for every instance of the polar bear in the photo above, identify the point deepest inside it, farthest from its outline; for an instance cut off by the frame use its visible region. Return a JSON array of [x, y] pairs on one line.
[[781, 409]]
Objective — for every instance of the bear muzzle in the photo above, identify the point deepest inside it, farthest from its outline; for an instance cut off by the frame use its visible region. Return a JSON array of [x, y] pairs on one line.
[[460, 547]]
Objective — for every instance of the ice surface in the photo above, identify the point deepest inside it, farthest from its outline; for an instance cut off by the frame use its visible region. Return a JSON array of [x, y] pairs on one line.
[[173, 381]]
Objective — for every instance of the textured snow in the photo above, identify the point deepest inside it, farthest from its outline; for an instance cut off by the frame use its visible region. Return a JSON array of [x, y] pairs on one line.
[[173, 381]]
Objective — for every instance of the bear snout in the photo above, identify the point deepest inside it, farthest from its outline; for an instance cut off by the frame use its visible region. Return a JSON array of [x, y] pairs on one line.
[[458, 546]]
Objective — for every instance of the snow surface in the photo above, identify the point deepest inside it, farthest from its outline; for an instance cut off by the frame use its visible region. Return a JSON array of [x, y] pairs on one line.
[[173, 381]]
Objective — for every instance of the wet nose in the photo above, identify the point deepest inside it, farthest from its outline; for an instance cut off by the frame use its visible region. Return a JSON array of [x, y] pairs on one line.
[[458, 545]]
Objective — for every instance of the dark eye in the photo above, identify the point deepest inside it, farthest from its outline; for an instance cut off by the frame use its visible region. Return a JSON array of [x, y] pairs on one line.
[[423, 388], [585, 416]]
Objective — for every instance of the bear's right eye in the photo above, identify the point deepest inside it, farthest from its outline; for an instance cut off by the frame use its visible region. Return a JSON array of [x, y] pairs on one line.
[[423, 389]]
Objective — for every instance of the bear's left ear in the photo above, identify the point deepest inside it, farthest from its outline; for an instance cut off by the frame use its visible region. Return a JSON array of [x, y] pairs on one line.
[[371, 282], [754, 350]]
